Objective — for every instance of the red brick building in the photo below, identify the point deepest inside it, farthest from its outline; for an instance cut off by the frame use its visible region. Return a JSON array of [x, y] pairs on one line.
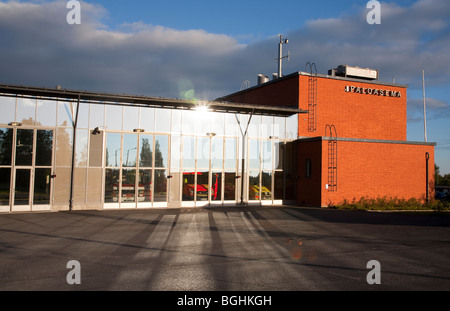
[[352, 143]]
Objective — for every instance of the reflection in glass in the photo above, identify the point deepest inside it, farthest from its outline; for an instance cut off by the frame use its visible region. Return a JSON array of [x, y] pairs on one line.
[[41, 193], [253, 185], [202, 186], [22, 187], [111, 185], [24, 147], [96, 117], [253, 154], [175, 186], [5, 185], [129, 153], [217, 153], [279, 127], [6, 138], [231, 125], [161, 150], [175, 152], [145, 186], [83, 116], [203, 152], [145, 150], [230, 186], [128, 185], [81, 149], [112, 153], [160, 186], [147, 119], [44, 147], [46, 112], [230, 153], [163, 120], [130, 118], [113, 116], [8, 105], [266, 129], [26, 110], [266, 186], [292, 127], [188, 186], [278, 155], [216, 186], [266, 154], [65, 114], [188, 152]]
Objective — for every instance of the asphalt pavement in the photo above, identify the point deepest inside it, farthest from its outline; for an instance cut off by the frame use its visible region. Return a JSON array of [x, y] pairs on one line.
[[225, 249]]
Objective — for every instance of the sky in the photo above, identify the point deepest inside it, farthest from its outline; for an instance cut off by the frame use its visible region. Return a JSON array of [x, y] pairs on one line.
[[209, 48]]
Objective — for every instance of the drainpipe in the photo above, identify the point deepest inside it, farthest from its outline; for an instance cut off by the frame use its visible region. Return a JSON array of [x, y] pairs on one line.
[[427, 157], [72, 168]]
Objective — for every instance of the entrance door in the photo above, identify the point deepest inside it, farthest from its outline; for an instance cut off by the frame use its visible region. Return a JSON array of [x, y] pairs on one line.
[[32, 170]]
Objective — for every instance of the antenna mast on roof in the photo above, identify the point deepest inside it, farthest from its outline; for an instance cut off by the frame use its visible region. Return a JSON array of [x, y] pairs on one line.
[[280, 53]]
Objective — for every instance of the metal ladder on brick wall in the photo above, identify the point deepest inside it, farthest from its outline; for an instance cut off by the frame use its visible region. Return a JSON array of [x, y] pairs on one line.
[[332, 157], [312, 97]]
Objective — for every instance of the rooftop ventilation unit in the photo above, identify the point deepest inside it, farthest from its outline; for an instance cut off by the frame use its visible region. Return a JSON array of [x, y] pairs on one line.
[[262, 79], [354, 72]]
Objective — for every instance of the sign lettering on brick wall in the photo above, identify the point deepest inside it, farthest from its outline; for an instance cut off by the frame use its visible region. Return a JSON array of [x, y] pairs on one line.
[[370, 91]]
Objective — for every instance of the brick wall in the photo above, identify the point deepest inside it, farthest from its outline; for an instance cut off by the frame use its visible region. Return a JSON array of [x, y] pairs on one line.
[[354, 115]]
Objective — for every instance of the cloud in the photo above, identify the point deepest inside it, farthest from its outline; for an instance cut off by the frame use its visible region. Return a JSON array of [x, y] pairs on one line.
[[435, 109], [41, 49]]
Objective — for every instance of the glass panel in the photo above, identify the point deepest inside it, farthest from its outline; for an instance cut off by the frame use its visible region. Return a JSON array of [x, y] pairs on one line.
[[266, 154], [113, 149], [42, 186], [253, 185], [230, 153], [96, 117], [26, 110], [64, 146], [145, 150], [217, 153], [202, 186], [266, 129], [44, 147], [188, 152], [188, 186], [8, 105], [253, 154], [111, 185], [190, 120], [278, 155], [203, 152], [83, 116], [128, 185], [254, 127], [6, 138], [161, 150], [216, 186], [22, 187], [266, 186], [46, 112], [129, 154], [163, 120], [218, 123], [175, 152], [130, 118], [5, 185], [279, 127], [65, 114], [81, 150], [147, 119], [176, 121], [145, 186], [231, 125], [278, 185], [160, 186], [24, 147], [113, 116], [230, 186], [292, 127]]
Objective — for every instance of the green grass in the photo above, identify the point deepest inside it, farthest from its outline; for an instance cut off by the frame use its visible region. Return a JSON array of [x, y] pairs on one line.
[[384, 203]]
